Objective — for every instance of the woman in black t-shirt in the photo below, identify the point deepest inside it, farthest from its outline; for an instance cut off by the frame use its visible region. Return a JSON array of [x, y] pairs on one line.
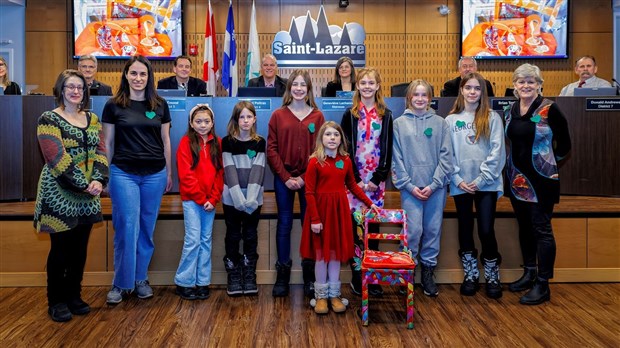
[[136, 122]]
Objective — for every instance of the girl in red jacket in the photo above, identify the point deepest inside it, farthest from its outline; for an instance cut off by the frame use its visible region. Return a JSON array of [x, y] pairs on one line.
[[199, 163]]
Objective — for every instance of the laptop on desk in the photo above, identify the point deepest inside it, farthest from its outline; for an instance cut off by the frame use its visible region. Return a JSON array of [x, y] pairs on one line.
[[262, 92], [595, 92]]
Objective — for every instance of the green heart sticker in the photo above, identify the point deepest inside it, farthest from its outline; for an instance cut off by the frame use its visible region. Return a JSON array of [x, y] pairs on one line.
[[150, 114], [428, 132], [376, 126], [535, 118], [251, 153], [460, 123], [340, 164], [311, 127]]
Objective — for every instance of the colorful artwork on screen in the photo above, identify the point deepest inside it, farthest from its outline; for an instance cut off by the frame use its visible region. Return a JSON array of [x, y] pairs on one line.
[[515, 29], [123, 28]]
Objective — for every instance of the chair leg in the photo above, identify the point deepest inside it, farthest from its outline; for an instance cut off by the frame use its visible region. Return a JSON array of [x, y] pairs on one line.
[[410, 304], [364, 299]]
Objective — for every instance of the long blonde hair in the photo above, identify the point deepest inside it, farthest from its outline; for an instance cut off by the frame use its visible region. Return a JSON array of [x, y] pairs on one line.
[[481, 119], [319, 148], [379, 101]]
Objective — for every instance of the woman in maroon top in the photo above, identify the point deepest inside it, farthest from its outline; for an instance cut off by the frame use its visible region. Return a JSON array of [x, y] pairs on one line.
[[292, 134]]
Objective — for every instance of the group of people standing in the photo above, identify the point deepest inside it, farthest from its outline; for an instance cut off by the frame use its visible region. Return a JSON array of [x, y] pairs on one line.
[[335, 169]]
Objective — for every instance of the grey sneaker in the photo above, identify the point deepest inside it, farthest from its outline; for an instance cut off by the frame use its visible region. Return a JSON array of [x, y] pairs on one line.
[[115, 295], [143, 289]]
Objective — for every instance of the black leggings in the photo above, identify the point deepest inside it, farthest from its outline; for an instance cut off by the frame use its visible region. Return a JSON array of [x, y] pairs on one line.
[[65, 264], [241, 226], [485, 202], [536, 236]]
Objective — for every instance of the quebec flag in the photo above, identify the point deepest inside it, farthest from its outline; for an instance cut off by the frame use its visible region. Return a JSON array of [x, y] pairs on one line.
[[230, 75]]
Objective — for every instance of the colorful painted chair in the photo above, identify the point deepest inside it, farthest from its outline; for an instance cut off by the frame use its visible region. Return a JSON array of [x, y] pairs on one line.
[[387, 267]]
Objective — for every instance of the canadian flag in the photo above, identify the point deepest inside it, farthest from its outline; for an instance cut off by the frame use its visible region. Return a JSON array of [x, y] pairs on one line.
[[210, 67]]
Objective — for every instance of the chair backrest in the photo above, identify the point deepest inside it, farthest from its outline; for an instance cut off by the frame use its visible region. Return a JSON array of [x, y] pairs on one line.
[[399, 90], [390, 216]]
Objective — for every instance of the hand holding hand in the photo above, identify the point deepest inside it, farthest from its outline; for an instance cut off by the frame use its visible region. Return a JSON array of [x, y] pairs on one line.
[[94, 188]]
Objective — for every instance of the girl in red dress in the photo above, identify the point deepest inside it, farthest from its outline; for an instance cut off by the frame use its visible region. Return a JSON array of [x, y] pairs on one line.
[[326, 235]]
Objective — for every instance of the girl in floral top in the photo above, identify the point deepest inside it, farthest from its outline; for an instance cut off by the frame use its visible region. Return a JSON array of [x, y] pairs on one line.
[[367, 127]]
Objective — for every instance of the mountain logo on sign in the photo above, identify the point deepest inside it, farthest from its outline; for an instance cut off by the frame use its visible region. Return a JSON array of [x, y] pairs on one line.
[[311, 43]]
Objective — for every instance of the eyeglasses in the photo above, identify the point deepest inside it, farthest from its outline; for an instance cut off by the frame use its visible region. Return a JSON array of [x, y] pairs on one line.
[[73, 88]]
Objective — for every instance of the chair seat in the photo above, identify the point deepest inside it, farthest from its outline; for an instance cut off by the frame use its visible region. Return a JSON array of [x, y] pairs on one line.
[[387, 259]]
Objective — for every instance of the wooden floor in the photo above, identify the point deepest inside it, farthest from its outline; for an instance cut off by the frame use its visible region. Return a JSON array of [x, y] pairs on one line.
[[579, 315]]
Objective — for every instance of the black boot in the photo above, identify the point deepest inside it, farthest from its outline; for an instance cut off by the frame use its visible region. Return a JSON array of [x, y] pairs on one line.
[[428, 281], [471, 278], [525, 282], [493, 286], [307, 268], [356, 280], [283, 277], [540, 293], [234, 286], [249, 276]]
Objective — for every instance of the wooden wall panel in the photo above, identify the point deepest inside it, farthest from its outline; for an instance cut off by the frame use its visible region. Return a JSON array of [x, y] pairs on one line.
[[47, 15], [24, 250], [409, 39], [46, 57], [571, 242], [591, 16], [424, 18], [381, 17], [604, 243]]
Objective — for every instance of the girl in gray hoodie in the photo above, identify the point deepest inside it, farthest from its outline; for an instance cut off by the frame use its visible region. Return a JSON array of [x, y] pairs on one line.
[[477, 135], [421, 168]]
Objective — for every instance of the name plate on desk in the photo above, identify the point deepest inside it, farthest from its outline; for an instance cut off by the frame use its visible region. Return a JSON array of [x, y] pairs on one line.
[[602, 104], [176, 104], [499, 104], [259, 104], [336, 104]]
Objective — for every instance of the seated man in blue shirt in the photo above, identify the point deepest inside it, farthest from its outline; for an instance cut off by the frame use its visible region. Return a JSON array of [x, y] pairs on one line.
[[585, 68]]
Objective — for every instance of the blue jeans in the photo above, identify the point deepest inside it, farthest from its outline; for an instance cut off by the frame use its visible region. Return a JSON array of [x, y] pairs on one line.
[[285, 199], [424, 219], [195, 265], [135, 205]]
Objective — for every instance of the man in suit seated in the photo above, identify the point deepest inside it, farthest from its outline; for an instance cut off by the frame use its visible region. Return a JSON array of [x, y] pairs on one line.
[[181, 80], [87, 65], [268, 78], [585, 68], [466, 65]]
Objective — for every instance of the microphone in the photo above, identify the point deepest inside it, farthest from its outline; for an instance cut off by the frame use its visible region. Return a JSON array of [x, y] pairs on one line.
[[617, 85], [184, 85], [494, 88]]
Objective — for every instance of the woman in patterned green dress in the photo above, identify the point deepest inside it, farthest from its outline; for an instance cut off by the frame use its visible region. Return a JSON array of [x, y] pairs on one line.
[[74, 174]]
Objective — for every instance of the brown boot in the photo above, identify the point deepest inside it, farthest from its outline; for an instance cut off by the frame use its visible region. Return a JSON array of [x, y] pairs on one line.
[[320, 294], [338, 304], [321, 306]]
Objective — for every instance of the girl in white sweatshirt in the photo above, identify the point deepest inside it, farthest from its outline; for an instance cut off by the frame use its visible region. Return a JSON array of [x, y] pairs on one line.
[[479, 156]]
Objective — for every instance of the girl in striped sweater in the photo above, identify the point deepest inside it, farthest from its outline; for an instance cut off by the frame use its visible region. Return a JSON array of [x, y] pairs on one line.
[[244, 170]]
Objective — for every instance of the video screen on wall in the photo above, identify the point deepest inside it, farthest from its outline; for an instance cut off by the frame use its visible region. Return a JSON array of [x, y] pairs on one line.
[[496, 29], [116, 29]]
